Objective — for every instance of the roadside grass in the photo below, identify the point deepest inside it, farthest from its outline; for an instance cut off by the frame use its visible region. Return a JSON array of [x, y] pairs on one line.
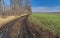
[[48, 21]]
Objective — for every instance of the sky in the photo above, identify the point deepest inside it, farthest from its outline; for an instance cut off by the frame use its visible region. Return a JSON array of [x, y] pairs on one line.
[[45, 5]]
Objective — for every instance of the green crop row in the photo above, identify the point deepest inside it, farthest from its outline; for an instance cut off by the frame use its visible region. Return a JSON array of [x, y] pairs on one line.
[[48, 21]]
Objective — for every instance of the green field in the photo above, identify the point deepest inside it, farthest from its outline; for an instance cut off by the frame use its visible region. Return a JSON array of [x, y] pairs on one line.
[[48, 21]]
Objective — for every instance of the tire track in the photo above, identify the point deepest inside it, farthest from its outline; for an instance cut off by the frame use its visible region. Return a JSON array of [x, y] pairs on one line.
[[24, 30]]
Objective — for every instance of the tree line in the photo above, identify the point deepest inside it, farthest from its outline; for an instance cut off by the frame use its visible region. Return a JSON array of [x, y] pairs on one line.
[[14, 7]]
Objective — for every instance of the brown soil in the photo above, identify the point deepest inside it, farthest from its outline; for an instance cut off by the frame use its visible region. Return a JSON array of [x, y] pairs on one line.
[[39, 32]]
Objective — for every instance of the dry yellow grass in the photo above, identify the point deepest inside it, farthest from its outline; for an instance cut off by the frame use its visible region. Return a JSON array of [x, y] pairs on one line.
[[8, 19]]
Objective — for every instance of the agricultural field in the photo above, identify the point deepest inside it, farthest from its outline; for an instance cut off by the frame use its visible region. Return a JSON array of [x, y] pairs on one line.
[[48, 21]]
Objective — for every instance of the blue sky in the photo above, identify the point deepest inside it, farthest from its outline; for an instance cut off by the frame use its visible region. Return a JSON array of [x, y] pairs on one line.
[[45, 5]]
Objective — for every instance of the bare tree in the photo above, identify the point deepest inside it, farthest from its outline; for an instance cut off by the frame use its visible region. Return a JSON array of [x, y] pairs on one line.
[[0, 8], [11, 7], [3, 13], [28, 7]]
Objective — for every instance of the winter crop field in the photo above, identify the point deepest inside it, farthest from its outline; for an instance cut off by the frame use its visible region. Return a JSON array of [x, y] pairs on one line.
[[48, 21]]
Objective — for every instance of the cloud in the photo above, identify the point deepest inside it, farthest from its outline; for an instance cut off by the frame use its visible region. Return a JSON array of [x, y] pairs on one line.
[[46, 9]]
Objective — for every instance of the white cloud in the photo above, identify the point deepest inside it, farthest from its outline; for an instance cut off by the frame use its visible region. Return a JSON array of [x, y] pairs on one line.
[[46, 9]]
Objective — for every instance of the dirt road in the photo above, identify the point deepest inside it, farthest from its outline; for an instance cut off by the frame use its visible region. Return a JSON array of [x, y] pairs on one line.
[[11, 29]]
